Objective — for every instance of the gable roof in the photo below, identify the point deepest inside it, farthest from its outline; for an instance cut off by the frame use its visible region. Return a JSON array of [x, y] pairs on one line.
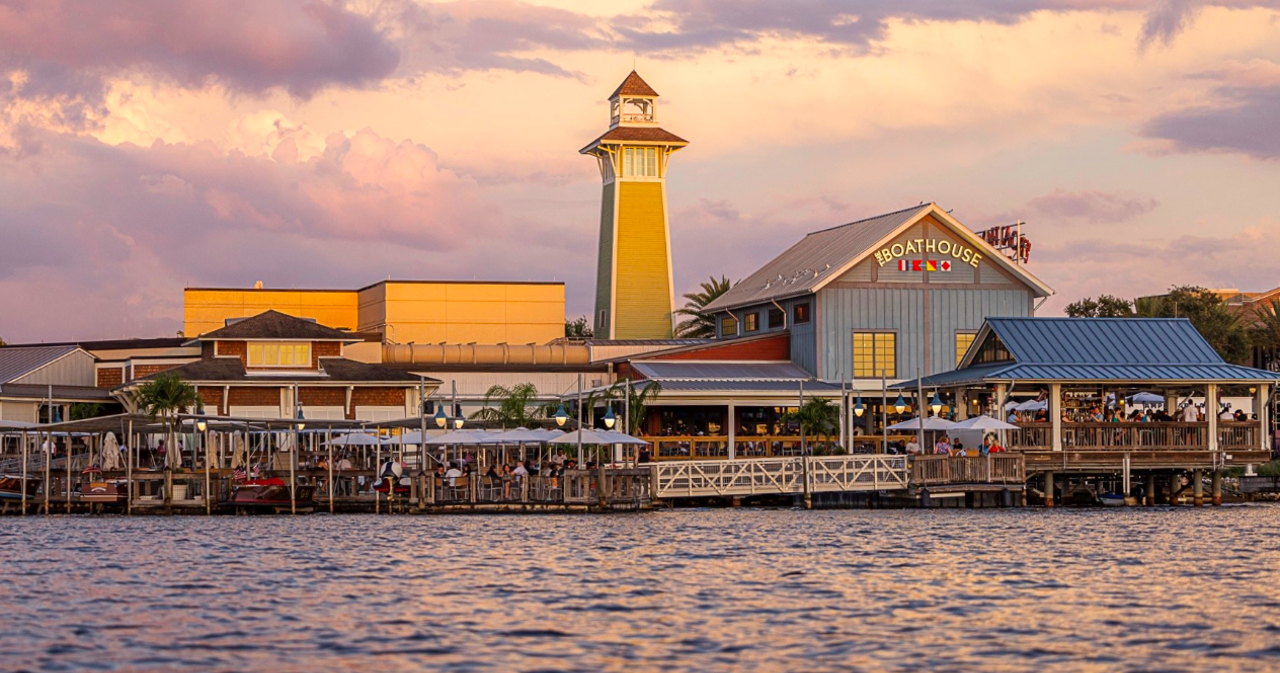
[[825, 255], [1097, 349], [636, 135], [276, 325], [633, 85], [18, 361], [332, 370]]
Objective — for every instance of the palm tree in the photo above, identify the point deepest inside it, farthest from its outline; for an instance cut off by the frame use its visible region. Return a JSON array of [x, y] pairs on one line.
[[819, 417], [517, 406], [166, 396], [698, 323], [637, 398]]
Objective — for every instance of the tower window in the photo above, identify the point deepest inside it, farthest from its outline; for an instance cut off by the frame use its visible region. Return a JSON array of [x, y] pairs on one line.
[[750, 322], [640, 162]]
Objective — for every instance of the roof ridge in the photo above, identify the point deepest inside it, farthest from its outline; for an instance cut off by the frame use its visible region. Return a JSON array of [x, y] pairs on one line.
[[868, 219]]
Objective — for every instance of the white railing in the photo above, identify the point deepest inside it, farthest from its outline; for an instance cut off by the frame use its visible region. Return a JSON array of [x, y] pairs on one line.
[[778, 476]]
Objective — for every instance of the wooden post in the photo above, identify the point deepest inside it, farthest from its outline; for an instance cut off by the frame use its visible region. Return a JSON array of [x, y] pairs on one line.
[[1127, 478], [1217, 487], [68, 486], [24, 473], [1211, 412], [1260, 407], [328, 441], [1048, 489], [377, 460], [733, 429], [208, 485], [1055, 415], [128, 468], [1151, 488], [1197, 487], [47, 447], [1174, 479]]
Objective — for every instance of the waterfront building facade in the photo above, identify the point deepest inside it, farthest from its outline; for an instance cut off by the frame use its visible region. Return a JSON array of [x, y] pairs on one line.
[[635, 296]]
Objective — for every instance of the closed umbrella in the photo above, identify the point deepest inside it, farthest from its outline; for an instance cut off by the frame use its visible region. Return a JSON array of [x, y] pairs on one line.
[[110, 452], [239, 457]]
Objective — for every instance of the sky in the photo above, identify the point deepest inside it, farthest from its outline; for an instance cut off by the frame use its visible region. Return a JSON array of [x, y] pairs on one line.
[[147, 146]]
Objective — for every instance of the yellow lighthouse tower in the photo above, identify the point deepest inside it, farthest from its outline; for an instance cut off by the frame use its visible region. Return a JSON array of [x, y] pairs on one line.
[[634, 296]]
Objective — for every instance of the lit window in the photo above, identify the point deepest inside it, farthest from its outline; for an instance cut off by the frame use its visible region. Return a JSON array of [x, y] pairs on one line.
[[802, 313], [640, 162], [963, 341], [875, 353], [751, 322], [294, 355], [728, 325]]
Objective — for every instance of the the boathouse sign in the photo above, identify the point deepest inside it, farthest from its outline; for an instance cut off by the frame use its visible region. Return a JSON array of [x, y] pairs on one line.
[[929, 246]]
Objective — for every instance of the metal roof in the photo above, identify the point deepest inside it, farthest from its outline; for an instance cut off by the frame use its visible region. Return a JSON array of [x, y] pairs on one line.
[[1099, 349], [665, 371], [1096, 341], [793, 387], [16, 362], [806, 264]]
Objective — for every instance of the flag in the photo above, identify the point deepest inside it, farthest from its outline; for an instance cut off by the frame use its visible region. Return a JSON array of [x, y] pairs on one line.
[[904, 265], [238, 474], [944, 265], [931, 265]]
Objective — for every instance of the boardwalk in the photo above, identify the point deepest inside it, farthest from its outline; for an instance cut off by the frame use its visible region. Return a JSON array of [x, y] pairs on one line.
[[779, 476]]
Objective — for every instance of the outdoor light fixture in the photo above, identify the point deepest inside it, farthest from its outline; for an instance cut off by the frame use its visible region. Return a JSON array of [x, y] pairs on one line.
[[561, 417], [858, 409], [1253, 390], [935, 403], [301, 426], [441, 419], [457, 422], [901, 405], [201, 424], [609, 418]]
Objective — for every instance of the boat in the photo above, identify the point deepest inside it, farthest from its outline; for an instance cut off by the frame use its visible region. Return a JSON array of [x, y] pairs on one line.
[[269, 492], [1111, 500], [11, 487]]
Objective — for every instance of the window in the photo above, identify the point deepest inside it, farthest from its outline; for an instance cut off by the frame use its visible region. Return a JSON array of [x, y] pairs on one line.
[[776, 317], [963, 341], [993, 350], [802, 313], [640, 162], [874, 353], [750, 322], [728, 325], [280, 355]]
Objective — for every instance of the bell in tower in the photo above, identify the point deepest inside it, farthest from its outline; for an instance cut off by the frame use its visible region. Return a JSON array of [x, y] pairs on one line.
[[634, 293]]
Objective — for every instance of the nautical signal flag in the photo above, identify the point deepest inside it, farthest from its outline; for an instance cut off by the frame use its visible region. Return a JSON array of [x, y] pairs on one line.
[[924, 265]]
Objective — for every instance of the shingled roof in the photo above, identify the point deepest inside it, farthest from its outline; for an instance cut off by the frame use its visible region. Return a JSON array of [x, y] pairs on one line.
[[633, 85], [274, 325], [637, 134]]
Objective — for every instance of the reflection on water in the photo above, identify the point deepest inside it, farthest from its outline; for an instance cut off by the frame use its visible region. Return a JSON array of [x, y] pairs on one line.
[[1186, 589]]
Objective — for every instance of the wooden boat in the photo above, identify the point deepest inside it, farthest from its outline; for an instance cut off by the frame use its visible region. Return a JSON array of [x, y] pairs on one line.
[[108, 491], [1111, 500], [271, 492], [11, 487]]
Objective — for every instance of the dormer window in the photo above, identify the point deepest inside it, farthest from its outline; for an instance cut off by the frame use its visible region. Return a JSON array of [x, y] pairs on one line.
[[283, 354]]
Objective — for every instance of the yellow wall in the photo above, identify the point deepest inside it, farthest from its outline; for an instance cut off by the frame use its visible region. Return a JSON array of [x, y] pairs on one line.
[[643, 305], [208, 309], [422, 312]]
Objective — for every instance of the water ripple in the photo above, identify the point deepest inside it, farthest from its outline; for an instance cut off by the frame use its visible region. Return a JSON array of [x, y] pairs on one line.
[[704, 590]]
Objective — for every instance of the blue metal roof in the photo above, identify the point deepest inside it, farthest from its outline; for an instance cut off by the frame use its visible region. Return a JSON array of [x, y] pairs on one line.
[[1100, 349], [1096, 341]]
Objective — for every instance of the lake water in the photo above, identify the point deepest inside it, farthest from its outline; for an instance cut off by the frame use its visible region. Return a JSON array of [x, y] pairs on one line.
[[697, 590]]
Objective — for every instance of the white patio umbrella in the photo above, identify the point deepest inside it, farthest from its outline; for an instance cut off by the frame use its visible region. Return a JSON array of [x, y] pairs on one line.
[[467, 437], [594, 437], [521, 436], [1034, 405], [621, 437], [239, 453], [930, 423], [1011, 404], [983, 423], [110, 459], [1147, 399], [356, 439], [212, 455]]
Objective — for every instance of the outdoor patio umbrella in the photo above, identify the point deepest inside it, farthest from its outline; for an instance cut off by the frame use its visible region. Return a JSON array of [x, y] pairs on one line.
[[110, 459], [1033, 405], [356, 439], [1147, 399], [621, 437], [930, 423], [469, 437], [521, 436], [239, 457], [593, 437], [983, 423]]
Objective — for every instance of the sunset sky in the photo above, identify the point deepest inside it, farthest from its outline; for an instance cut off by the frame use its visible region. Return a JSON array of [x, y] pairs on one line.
[[150, 145]]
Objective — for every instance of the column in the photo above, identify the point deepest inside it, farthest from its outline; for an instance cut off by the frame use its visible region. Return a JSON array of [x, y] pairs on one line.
[[1055, 415], [1211, 415], [1197, 487], [1151, 488], [1217, 487], [732, 424], [1000, 400], [1174, 478], [1264, 415], [1048, 489]]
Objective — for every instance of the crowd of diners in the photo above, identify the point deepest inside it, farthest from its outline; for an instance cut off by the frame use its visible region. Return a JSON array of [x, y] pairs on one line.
[[1188, 413]]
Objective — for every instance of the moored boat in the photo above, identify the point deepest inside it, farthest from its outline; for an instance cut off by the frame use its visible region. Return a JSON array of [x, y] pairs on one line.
[[11, 487], [1112, 500], [270, 492]]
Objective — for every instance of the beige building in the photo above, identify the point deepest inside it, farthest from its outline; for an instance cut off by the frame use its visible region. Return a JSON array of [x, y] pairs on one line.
[[487, 312]]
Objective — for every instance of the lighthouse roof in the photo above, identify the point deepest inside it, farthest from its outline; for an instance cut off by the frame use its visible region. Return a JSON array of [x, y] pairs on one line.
[[633, 85]]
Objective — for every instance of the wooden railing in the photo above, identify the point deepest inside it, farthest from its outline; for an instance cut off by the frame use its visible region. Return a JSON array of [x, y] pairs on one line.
[[778, 476], [997, 468], [1130, 436], [711, 447]]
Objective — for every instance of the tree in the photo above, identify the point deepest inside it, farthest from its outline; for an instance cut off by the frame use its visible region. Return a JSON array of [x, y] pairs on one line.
[[699, 323], [1208, 312], [164, 397], [2, 343], [517, 406], [818, 417], [1266, 328], [578, 329], [1105, 306], [81, 410]]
